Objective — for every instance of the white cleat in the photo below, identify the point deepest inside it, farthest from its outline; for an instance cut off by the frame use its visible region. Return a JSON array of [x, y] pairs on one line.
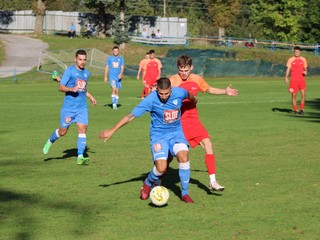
[[215, 186]]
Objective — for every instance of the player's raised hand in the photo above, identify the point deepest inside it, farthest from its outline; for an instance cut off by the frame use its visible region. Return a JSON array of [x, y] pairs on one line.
[[231, 92]]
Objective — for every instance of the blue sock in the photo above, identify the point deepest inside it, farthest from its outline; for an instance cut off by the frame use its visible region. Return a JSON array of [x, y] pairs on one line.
[[113, 99], [153, 177], [54, 136], [116, 100], [184, 174], [81, 144]]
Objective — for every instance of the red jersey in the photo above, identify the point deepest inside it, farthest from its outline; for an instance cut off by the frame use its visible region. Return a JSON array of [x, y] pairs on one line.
[[193, 84], [193, 129], [297, 65], [152, 67]]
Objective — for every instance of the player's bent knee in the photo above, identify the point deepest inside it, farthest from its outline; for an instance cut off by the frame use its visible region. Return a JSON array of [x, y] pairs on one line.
[[161, 166], [62, 131]]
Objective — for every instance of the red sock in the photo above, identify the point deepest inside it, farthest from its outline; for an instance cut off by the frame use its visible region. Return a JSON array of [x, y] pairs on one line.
[[145, 90], [210, 162], [301, 106], [295, 108]]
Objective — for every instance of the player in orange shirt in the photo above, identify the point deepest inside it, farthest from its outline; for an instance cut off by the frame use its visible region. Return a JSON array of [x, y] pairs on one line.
[[143, 62], [297, 68], [193, 129], [152, 71]]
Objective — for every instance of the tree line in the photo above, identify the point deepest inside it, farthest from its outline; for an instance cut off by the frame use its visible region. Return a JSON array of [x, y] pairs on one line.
[[295, 21]]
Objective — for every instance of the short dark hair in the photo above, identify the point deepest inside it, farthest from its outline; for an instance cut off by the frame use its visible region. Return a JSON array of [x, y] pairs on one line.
[[184, 61], [151, 51], [115, 47], [163, 83], [81, 52], [297, 48]]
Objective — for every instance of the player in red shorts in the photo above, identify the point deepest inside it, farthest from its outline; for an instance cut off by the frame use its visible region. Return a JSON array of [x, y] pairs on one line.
[[297, 68], [152, 71], [194, 131]]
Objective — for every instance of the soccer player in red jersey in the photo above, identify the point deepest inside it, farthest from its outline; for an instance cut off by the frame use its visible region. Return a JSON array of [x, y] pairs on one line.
[[193, 129], [144, 61], [297, 69], [152, 71]]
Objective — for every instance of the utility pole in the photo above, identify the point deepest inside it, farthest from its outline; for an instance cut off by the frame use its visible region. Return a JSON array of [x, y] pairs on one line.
[[164, 8]]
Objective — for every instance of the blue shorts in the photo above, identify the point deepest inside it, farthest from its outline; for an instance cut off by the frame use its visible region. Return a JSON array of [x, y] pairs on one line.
[[68, 117], [161, 147], [116, 83]]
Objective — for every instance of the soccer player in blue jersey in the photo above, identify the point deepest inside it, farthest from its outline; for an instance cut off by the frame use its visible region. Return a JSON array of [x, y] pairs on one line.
[[114, 69], [74, 109], [166, 135]]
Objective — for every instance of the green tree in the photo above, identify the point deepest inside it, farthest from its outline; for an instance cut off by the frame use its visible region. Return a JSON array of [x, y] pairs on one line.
[[310, 22], [16, 5], [278, 19], [139, 8]]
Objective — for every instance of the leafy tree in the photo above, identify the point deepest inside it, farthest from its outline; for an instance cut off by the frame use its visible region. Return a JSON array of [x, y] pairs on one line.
[[310, 22], [16, 5], [278, 19], [140, 8]]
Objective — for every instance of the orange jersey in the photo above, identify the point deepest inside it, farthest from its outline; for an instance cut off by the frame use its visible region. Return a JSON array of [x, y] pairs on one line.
[[297, 65], [142, 63]]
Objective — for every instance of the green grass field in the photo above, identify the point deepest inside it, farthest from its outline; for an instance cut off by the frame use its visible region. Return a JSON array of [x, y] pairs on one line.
[[267, 158]]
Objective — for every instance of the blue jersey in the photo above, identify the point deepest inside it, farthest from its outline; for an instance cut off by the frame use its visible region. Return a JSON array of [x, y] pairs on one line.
[[114, 64], [165, 117], [75, 100]]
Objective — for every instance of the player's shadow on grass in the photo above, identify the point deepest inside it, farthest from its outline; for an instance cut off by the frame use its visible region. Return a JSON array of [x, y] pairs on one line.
[[170, 180], [285, 110], [110, 105], [73, 152], [312, 116]]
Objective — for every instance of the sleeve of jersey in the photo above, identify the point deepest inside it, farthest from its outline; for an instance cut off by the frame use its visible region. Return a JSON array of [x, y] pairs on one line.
[[203, 85], [66, 77], [143, 107]]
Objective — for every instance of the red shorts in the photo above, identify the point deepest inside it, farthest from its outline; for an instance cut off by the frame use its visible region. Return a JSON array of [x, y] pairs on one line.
[[194, 133], [296, 85]]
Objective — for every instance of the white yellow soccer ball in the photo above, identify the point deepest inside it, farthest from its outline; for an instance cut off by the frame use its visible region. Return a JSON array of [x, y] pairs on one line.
[[159, 195]]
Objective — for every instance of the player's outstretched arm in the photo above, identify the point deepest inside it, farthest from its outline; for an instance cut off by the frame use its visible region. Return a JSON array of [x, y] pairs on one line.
[[220, 91], [231, 92], [106, 134]]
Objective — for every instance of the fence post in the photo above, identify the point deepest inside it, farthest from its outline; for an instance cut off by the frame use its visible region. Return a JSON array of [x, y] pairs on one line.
[[316, 50], [229, 42], [272, 45]]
